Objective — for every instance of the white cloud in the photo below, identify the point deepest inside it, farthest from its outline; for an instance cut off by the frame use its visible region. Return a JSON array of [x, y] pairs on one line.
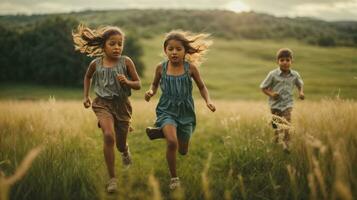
[[236, 6], [7, 8], [332, 11], [41, 7]]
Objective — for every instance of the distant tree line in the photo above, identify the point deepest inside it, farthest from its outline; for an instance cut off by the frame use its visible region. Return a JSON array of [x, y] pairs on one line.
[[43, 53], [227, 24], [39, 49], [220, 23]]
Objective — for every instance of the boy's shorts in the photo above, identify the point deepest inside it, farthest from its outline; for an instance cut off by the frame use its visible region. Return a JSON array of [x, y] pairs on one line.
[[118, 110], [286, 114], [184, 131]]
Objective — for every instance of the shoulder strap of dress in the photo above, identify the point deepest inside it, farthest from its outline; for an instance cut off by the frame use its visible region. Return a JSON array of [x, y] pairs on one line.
[[121, 66], [164, 68], [186, 66], [98, 62], [122, 61]]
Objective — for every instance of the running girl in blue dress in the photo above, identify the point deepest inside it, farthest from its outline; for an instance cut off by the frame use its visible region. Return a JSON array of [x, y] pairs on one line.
[[176, 119]]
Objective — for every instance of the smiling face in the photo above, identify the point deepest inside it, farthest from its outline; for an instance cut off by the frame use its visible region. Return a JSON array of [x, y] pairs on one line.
[[175, 51], [113, 46]]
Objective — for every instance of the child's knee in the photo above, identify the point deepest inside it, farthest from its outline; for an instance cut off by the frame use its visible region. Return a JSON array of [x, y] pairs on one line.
[[172, 145], [109, 138]]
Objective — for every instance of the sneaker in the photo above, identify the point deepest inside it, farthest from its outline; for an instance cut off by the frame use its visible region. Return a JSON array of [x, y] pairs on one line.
[[126, 159], [174, 183], [154, 133], [112, 185]]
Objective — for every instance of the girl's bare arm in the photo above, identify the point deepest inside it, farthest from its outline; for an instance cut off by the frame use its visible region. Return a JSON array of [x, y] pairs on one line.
[[87, 82], [155, 84], [135, 82], [87, 78], [202, 87]]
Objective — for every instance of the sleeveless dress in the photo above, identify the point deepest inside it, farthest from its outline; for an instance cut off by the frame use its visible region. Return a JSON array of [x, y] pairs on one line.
[[112, 97], [176, 106], [105, 82]]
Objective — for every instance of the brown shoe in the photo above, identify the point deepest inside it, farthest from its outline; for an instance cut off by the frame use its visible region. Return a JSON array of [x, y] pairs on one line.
[[154, 133]]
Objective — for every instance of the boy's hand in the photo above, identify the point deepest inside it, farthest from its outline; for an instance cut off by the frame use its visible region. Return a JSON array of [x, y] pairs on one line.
[[211, 106], [301, 96], [275, 95], [87, 102], [148, 95], [122, 79]]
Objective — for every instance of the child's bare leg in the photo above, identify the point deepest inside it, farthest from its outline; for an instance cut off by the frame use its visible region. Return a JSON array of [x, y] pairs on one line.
[[286, 136], [171, 139], [276, 135], [287, 116], [122, 130], [108, 148], [183, 146]]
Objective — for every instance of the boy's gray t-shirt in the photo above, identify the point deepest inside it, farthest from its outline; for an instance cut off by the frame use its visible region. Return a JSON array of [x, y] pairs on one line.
[[284, 86]]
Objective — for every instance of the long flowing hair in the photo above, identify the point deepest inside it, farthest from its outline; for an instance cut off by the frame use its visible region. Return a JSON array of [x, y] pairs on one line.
[[195, 45], [92, 41]]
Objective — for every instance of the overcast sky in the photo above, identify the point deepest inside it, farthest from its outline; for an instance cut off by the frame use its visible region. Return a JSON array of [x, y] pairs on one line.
[[330, 10]]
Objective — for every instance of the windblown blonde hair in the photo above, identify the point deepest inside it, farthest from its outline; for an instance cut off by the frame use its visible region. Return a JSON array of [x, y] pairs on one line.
[[91, 41], [195, 45]]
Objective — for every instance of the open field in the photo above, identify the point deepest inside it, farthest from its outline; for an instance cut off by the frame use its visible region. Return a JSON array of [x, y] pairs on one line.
[[47, 136], [234, 69], [231, 153]]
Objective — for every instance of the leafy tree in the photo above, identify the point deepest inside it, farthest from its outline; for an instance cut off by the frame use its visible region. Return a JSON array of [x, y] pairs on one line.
[[44, 53]]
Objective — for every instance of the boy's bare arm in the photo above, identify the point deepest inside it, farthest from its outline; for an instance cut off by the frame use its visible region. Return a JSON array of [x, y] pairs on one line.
[[301, 92]]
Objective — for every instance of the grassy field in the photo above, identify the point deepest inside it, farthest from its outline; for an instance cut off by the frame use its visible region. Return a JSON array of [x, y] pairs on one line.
[[231, 154], [234, 69]]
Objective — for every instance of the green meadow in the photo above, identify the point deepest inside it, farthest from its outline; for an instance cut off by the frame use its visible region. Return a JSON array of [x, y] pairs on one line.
[[235, 68], [231, 154]]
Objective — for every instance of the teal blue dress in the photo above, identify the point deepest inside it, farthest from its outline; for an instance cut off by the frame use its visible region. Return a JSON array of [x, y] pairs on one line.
[[176, 106]]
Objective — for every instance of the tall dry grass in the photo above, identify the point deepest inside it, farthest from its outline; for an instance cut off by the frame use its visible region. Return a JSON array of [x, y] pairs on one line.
[[231, 155]]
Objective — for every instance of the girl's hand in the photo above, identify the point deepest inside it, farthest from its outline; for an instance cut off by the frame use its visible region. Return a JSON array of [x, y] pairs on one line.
[[148, 95], [301, 96], [87, 102], [211, 106], [122, 79]]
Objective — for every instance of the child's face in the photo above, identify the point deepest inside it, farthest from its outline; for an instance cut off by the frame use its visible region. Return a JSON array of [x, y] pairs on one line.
[[113, 46], [284, 63], [175, 51]]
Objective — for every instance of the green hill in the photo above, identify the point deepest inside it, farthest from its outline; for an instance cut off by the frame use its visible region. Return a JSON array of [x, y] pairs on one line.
[[234, 70], [225, 24], [241, 56]]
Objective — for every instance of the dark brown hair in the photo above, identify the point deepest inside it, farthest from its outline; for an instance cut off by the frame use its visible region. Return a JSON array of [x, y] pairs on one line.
[[284, 53]]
